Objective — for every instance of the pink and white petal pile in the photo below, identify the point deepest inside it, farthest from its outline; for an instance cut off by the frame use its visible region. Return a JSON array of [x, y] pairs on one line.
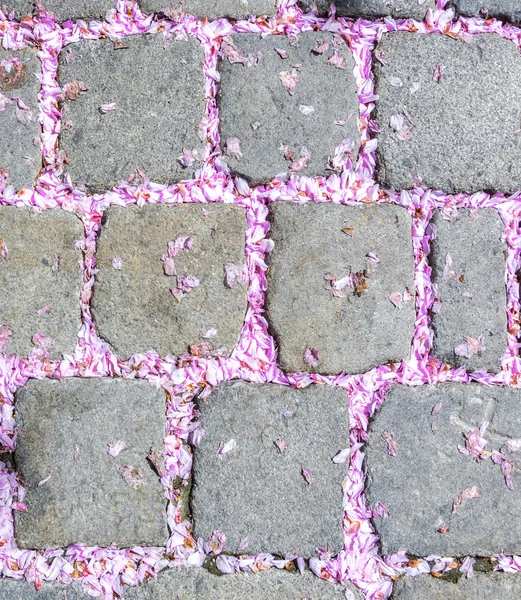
[[105, 572]]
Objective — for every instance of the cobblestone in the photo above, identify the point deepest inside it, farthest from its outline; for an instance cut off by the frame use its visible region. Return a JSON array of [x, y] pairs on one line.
[[158, 94], [270, 585], [362, 329], [134, 309], [273, 122], [19, 128], [503, 9], [493, 586], [258, 490], [65, 431], [234, 9], [371, 8], [11, 589], [79, 9], [40, 279], [463, 103], [429, 473], [471, 289]]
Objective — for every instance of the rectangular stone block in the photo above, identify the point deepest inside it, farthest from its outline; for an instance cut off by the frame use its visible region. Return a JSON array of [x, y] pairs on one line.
[[448, 113], [468, 262], [167, 250], [142, 106], [509, 10], [65, 10], [76, 491], [340, 286], [40, 278], [209, 9], [441, 500], [370, 9], [191, 584], [491, 586], [11, 589], [279, 102], [20, 155], [277, 485]]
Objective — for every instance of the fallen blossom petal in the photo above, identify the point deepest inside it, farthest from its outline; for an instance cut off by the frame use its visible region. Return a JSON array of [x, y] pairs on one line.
[[233, 148], [133, 476], [289, 80], [394, 81], [306, 110], [44, 310], [341, 456], [467, 566], [282, 53], [281, 445], [212, 332], [392, 446], [105, 108], [337, 61], [507, 467], [311, 357], [465, 496], [117, 263], [320, 47], [448, 273], [287, 414], [236, 274], [380, 510], [115, 449], [397, 122], [187, 159], [307, 476], [223, 449], [437, 74], [5, 336], [227, 564], [4, 252], [44, 480], [243, 544], [514, 445], [373, 258]]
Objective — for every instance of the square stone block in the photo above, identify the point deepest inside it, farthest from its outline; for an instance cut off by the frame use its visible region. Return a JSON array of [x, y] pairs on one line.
[[399, 9], [209, 9], [143, 106], [134, 308], [40, 278], [65, 10], [509, 10], [274, 584], [65, 431], [20, 154], [468, 268], [356, 326], [463, 101], [489, 586], [276, 126], [258, 490], [429, 473]]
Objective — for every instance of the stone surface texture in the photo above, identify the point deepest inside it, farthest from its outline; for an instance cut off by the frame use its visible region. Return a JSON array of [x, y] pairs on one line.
[[87, 498], [184, 584], [79, 9], [371, 8], [159, 96], [256, 108], [473, 303], [491, 586], [41, 270], [258, 491], [361, 330], [509, 10], [134, 309], [234, 9], [10, 589], [20, 131], [464, 132], [419, 485], [20, 7]]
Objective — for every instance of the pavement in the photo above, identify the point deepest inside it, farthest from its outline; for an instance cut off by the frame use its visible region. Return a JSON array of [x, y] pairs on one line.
[[259, 299]]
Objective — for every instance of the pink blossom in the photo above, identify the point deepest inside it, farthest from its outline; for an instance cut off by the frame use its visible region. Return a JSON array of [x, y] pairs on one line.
[[380, 510], [320, 47], [289, 80], [311, 357], [471, 347], [281, 445], [5, 336], [117, 263], [341, 456], [392, 446], [282, 53], [44, 480], [223, 449], [337, 61], [115, 449], [233, 147], [465, 496], [438, 74], [133, 476], [105, 108], [236, 274], [210, 333], [475, 443], [307, 476], [467, 566], [448, 273]]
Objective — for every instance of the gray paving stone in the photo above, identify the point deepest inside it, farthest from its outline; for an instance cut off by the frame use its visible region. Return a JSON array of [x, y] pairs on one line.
[[234, 9], [371, 8], [256, 108], [472, 291], [257, 491], [419, 485], [79, 9], [464, 133], [11, 589], [159, 97], [20, 154], [41, 270], [20, 7], [87, 499], [356, 332], [184, 584], [492, 586], [508, 10], [134, 309]]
